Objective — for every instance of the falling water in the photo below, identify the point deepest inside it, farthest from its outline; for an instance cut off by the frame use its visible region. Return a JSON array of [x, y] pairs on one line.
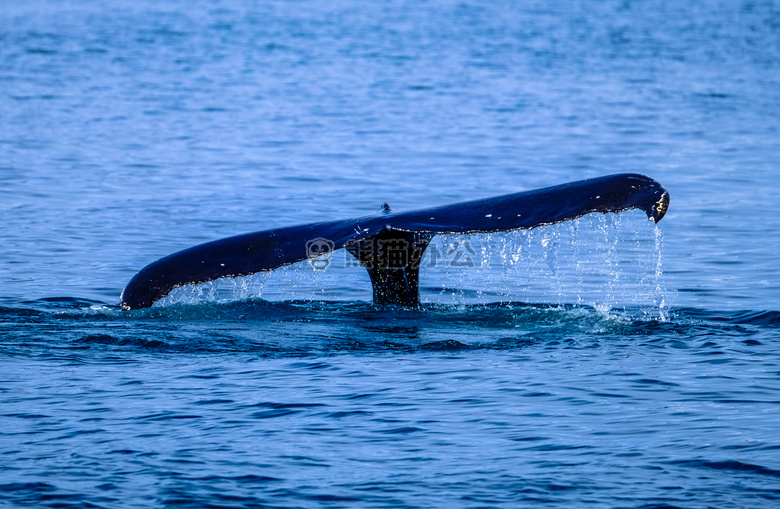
[[578, 262]]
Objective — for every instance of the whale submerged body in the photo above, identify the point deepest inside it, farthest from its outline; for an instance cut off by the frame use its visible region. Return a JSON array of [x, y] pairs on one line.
[[391, 245]]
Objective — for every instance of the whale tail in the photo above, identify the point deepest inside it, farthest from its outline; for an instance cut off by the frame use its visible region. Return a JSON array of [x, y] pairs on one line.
[[390, 245]]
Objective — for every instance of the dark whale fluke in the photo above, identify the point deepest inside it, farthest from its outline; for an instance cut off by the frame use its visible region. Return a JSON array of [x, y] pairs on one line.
[[390, 245]]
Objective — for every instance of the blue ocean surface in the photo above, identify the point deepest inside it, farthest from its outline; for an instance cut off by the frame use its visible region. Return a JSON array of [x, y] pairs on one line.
[[601, 362]]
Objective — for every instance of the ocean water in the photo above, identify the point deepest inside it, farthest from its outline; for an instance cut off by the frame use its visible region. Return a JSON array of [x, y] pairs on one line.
[[602, 362]]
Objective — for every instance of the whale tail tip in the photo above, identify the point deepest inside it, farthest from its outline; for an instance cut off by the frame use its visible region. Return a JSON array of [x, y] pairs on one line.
[[659, 208]]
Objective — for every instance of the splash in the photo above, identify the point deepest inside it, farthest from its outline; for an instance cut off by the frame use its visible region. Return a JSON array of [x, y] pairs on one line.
[[609, 262]]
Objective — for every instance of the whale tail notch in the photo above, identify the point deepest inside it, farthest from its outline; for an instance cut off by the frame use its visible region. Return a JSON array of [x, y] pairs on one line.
[[392, 259], [390, 245]]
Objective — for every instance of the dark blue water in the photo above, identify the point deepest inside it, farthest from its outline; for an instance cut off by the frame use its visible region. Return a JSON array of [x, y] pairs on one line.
[[605, 362]]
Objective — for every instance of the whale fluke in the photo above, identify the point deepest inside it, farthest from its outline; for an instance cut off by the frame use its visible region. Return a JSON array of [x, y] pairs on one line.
[[390, 245]]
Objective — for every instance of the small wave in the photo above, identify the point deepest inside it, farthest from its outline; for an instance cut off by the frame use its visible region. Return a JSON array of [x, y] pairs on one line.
[[757, 318], [48, 303], [730, 465], [107, 339]]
